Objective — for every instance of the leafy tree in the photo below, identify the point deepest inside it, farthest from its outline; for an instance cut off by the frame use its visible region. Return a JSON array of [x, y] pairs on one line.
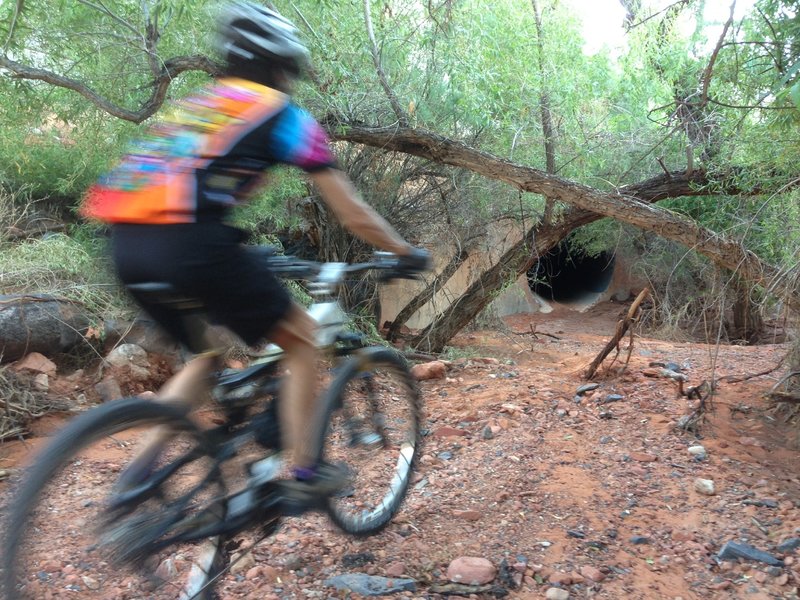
[[485, 104]]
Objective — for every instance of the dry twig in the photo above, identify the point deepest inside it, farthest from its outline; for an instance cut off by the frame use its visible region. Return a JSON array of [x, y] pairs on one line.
[[622, 328]]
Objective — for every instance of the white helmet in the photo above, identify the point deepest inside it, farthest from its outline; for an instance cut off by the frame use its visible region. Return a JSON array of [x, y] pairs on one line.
[[251, 32]]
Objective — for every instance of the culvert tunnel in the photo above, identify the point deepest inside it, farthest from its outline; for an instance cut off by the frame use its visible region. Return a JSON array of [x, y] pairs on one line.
[[571, 277]]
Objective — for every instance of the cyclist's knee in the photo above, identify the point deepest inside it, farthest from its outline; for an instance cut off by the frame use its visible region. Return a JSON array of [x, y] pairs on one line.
[[295, 331]]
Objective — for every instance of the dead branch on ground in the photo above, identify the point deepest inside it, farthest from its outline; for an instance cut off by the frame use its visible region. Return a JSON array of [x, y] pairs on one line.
[[622, 328]]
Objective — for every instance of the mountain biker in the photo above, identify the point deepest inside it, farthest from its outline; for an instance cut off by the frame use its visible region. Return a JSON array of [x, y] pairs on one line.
[[168, 201]]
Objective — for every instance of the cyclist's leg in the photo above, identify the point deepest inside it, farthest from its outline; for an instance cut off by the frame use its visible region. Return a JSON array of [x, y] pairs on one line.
[[295, 334], [186, 390], [300, 415]]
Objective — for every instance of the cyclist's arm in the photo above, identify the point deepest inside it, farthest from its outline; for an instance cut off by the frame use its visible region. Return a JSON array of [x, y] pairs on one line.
[[356, 215]]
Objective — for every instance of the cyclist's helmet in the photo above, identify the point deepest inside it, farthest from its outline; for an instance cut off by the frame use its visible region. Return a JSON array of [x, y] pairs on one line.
[[249, 33]]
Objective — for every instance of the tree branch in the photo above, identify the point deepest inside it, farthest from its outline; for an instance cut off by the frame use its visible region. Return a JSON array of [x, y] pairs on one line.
[[621, 206], [710, 67], [13, 25], [170, 69], [402, 117]]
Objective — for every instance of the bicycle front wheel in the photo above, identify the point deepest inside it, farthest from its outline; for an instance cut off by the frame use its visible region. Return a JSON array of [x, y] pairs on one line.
[[373, 411], [68, 536]]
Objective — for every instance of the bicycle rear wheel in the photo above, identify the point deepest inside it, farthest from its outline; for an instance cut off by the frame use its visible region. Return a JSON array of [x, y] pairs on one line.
[[373, 412], [62, 539]]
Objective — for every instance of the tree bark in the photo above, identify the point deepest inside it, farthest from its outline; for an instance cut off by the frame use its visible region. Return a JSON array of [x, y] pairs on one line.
[[425, 295]]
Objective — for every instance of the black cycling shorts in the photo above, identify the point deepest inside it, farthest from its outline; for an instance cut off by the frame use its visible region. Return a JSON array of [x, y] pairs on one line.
[[207, 261]]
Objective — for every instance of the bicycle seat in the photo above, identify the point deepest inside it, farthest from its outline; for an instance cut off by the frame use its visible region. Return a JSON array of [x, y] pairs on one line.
[[159, 292]]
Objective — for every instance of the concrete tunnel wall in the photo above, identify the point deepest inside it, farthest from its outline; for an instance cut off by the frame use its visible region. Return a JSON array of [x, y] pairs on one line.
[[571, 280]]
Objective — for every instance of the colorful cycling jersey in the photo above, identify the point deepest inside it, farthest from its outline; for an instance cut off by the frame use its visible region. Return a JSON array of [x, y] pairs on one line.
[[207, 155]]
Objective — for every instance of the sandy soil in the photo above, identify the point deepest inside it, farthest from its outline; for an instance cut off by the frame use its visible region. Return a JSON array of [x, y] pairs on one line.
[[593, 497]]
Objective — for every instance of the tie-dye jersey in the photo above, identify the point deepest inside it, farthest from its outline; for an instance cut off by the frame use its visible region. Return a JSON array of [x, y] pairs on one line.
[[207, 155]]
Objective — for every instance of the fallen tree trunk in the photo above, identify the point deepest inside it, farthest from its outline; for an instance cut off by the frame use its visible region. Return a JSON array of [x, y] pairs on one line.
[[627, 205], [38, 323], [515, 261]]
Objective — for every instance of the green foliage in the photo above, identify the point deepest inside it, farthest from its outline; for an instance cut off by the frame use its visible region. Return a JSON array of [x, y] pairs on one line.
[[461, 70], [273, 208], [72, 267]]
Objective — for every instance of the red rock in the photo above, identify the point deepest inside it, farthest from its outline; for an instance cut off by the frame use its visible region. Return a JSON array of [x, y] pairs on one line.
[[471, 570], [432, 370], [395, 569], [487, 360], [642, 457], [722, 585], [36, 362], [269, 573], [560, 578], [682, 536], [468, 515], [592, 573], [749, 441], [449, 432]]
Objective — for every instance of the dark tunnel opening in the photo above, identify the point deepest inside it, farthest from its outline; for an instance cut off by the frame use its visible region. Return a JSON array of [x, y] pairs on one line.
[[567, 276]]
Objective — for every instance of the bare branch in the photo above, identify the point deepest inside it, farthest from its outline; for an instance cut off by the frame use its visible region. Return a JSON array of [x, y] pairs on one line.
[[170, 69], [710, 67], [13, 25], [102, 8], [402, 117], [672, 7]]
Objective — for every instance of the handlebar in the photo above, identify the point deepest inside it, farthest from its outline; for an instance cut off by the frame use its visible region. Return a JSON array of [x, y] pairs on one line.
[[291, 267]]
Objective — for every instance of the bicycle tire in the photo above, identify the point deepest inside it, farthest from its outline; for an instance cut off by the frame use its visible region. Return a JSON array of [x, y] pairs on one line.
[[372, 427], [69, 463]]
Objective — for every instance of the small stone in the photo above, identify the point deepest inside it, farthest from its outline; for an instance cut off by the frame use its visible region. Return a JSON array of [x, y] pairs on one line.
[[555, 593], [592, 573], [639, 540], [242, 564], [487, 433], [432, 370], [449, 432], [37, 363], [395, 569], [704, 487], [643, 457], [471, 570], [166, 570], [587, 387], [697, 451], [468, 515], [721, 585], [733, 550], [108, 389], [91, 582], [612, 398], [558, 578], [788, 545], [41, 382], [371, 585]]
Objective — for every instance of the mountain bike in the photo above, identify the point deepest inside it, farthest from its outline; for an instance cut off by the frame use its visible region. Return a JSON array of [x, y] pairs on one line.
[[70, 533]]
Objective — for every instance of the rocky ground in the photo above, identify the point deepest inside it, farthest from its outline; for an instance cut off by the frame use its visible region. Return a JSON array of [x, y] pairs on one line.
[[529, 488]]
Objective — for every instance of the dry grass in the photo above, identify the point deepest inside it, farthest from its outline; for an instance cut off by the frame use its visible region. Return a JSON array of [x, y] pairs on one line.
[[20, 403]]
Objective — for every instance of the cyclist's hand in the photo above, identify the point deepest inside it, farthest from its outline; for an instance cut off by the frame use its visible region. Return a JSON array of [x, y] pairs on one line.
[[416, 261]]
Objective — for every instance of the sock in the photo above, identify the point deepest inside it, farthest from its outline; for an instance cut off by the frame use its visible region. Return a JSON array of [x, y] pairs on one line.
[[304, 473]]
